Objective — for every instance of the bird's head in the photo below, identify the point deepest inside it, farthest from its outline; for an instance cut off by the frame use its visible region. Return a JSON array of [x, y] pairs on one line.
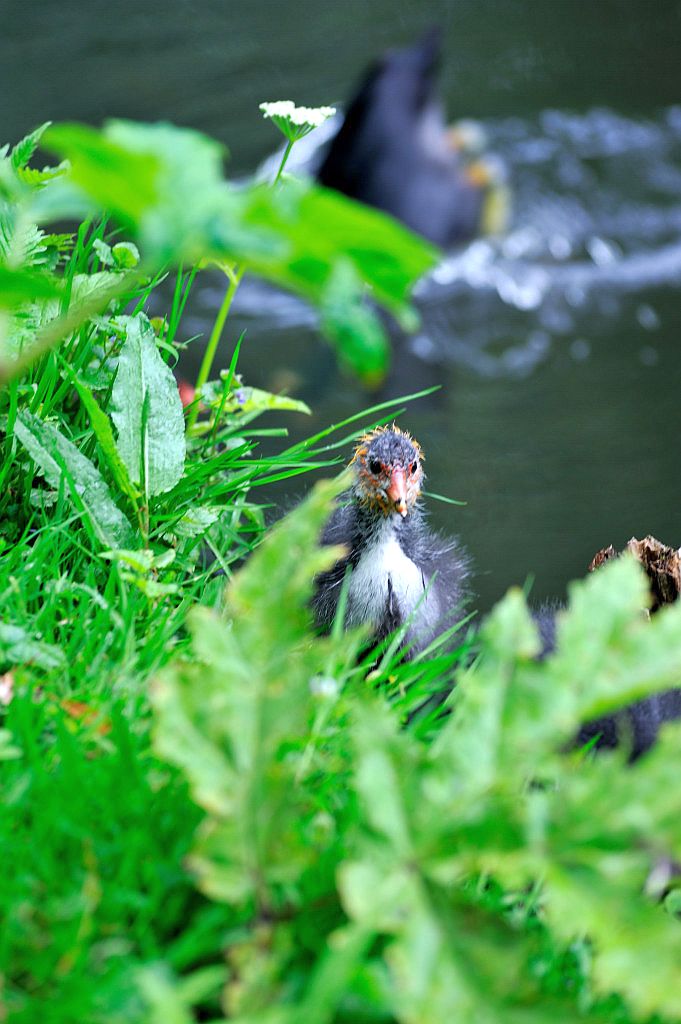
[[388, 471]]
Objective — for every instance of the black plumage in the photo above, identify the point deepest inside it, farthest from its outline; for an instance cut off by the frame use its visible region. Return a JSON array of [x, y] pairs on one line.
[[401, 574], [394, 151], [635, 727]]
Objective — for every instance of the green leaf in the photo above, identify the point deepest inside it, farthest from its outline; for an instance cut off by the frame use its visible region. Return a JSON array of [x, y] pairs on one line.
[[323, 226], [147, 412], [24, 150], [636, 655], [609, 825], [166, 184], [35, 326], [58, 459], [101, 424], [103, 250], [352, 325], [247, 399], [196, 521], [126, 255], [26, 286], [121, 181]]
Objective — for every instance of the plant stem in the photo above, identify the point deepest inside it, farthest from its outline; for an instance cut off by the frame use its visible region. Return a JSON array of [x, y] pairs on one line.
[[282, 165], [234, 281], [211, 348]]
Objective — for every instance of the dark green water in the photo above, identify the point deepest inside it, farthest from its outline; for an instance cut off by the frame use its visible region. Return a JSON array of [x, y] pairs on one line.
[[558, 348]]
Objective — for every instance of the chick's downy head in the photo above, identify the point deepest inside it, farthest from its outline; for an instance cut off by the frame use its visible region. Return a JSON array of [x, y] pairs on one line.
[[388, 471]]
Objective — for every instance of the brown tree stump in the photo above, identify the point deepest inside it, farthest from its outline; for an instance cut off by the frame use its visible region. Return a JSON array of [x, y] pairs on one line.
[[662, 565]]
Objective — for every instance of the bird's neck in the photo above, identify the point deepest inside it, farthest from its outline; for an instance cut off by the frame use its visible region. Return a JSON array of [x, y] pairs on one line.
[[373, 527]]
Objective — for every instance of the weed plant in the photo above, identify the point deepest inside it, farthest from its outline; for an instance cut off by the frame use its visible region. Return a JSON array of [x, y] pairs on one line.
[[210, 813]]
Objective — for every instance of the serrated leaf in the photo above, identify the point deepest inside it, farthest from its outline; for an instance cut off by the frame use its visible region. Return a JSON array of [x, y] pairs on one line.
[[26, 147], [58, 459], [244, 697], [147, 412]]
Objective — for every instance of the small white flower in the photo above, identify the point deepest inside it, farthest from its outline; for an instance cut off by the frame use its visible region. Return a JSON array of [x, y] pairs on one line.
[[324, 686], [295, 122]]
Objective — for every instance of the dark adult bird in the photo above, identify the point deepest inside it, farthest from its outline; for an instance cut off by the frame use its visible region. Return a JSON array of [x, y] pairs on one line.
[[394, 151], [400, 572]]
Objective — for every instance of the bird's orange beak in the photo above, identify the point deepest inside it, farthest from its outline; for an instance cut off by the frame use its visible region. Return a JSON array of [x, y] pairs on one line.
[[397, 491]]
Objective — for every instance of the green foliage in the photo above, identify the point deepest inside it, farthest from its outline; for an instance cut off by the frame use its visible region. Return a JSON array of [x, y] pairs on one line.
[[291, 829], [165, 184], [315, 797]]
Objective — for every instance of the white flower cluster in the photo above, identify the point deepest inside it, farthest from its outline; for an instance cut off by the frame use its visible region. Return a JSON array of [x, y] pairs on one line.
[[293, 121]]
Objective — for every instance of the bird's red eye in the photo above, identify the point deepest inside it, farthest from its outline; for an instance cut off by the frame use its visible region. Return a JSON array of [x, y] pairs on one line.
[[414, 466], [375, 466]]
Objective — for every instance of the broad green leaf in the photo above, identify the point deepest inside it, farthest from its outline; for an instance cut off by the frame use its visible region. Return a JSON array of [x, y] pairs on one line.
[[382, 759], [103, 250], [38, 324], [322, 226], [608, 827], [513, 713], [147, 412], [609, 652], [121, 181], [58, 459]]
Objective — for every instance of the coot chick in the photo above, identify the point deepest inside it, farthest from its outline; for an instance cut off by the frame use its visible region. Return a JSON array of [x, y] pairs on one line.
[[395, 152], [401, 573]]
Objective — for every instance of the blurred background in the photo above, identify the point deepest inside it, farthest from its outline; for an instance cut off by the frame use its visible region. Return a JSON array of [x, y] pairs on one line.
[[557, 345]]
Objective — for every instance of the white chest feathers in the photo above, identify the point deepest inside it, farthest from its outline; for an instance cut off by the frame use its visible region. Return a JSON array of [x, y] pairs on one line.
[[386, 580]]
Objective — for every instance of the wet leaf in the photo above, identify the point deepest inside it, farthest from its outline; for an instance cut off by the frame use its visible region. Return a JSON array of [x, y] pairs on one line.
[[58, 459], [147, 412]]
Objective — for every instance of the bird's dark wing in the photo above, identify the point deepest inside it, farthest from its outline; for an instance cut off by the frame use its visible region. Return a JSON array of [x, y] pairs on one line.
[[392, 151], [342, 527]]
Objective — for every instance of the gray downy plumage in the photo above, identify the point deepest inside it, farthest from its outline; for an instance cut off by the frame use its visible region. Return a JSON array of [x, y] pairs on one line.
[[400, 572]]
